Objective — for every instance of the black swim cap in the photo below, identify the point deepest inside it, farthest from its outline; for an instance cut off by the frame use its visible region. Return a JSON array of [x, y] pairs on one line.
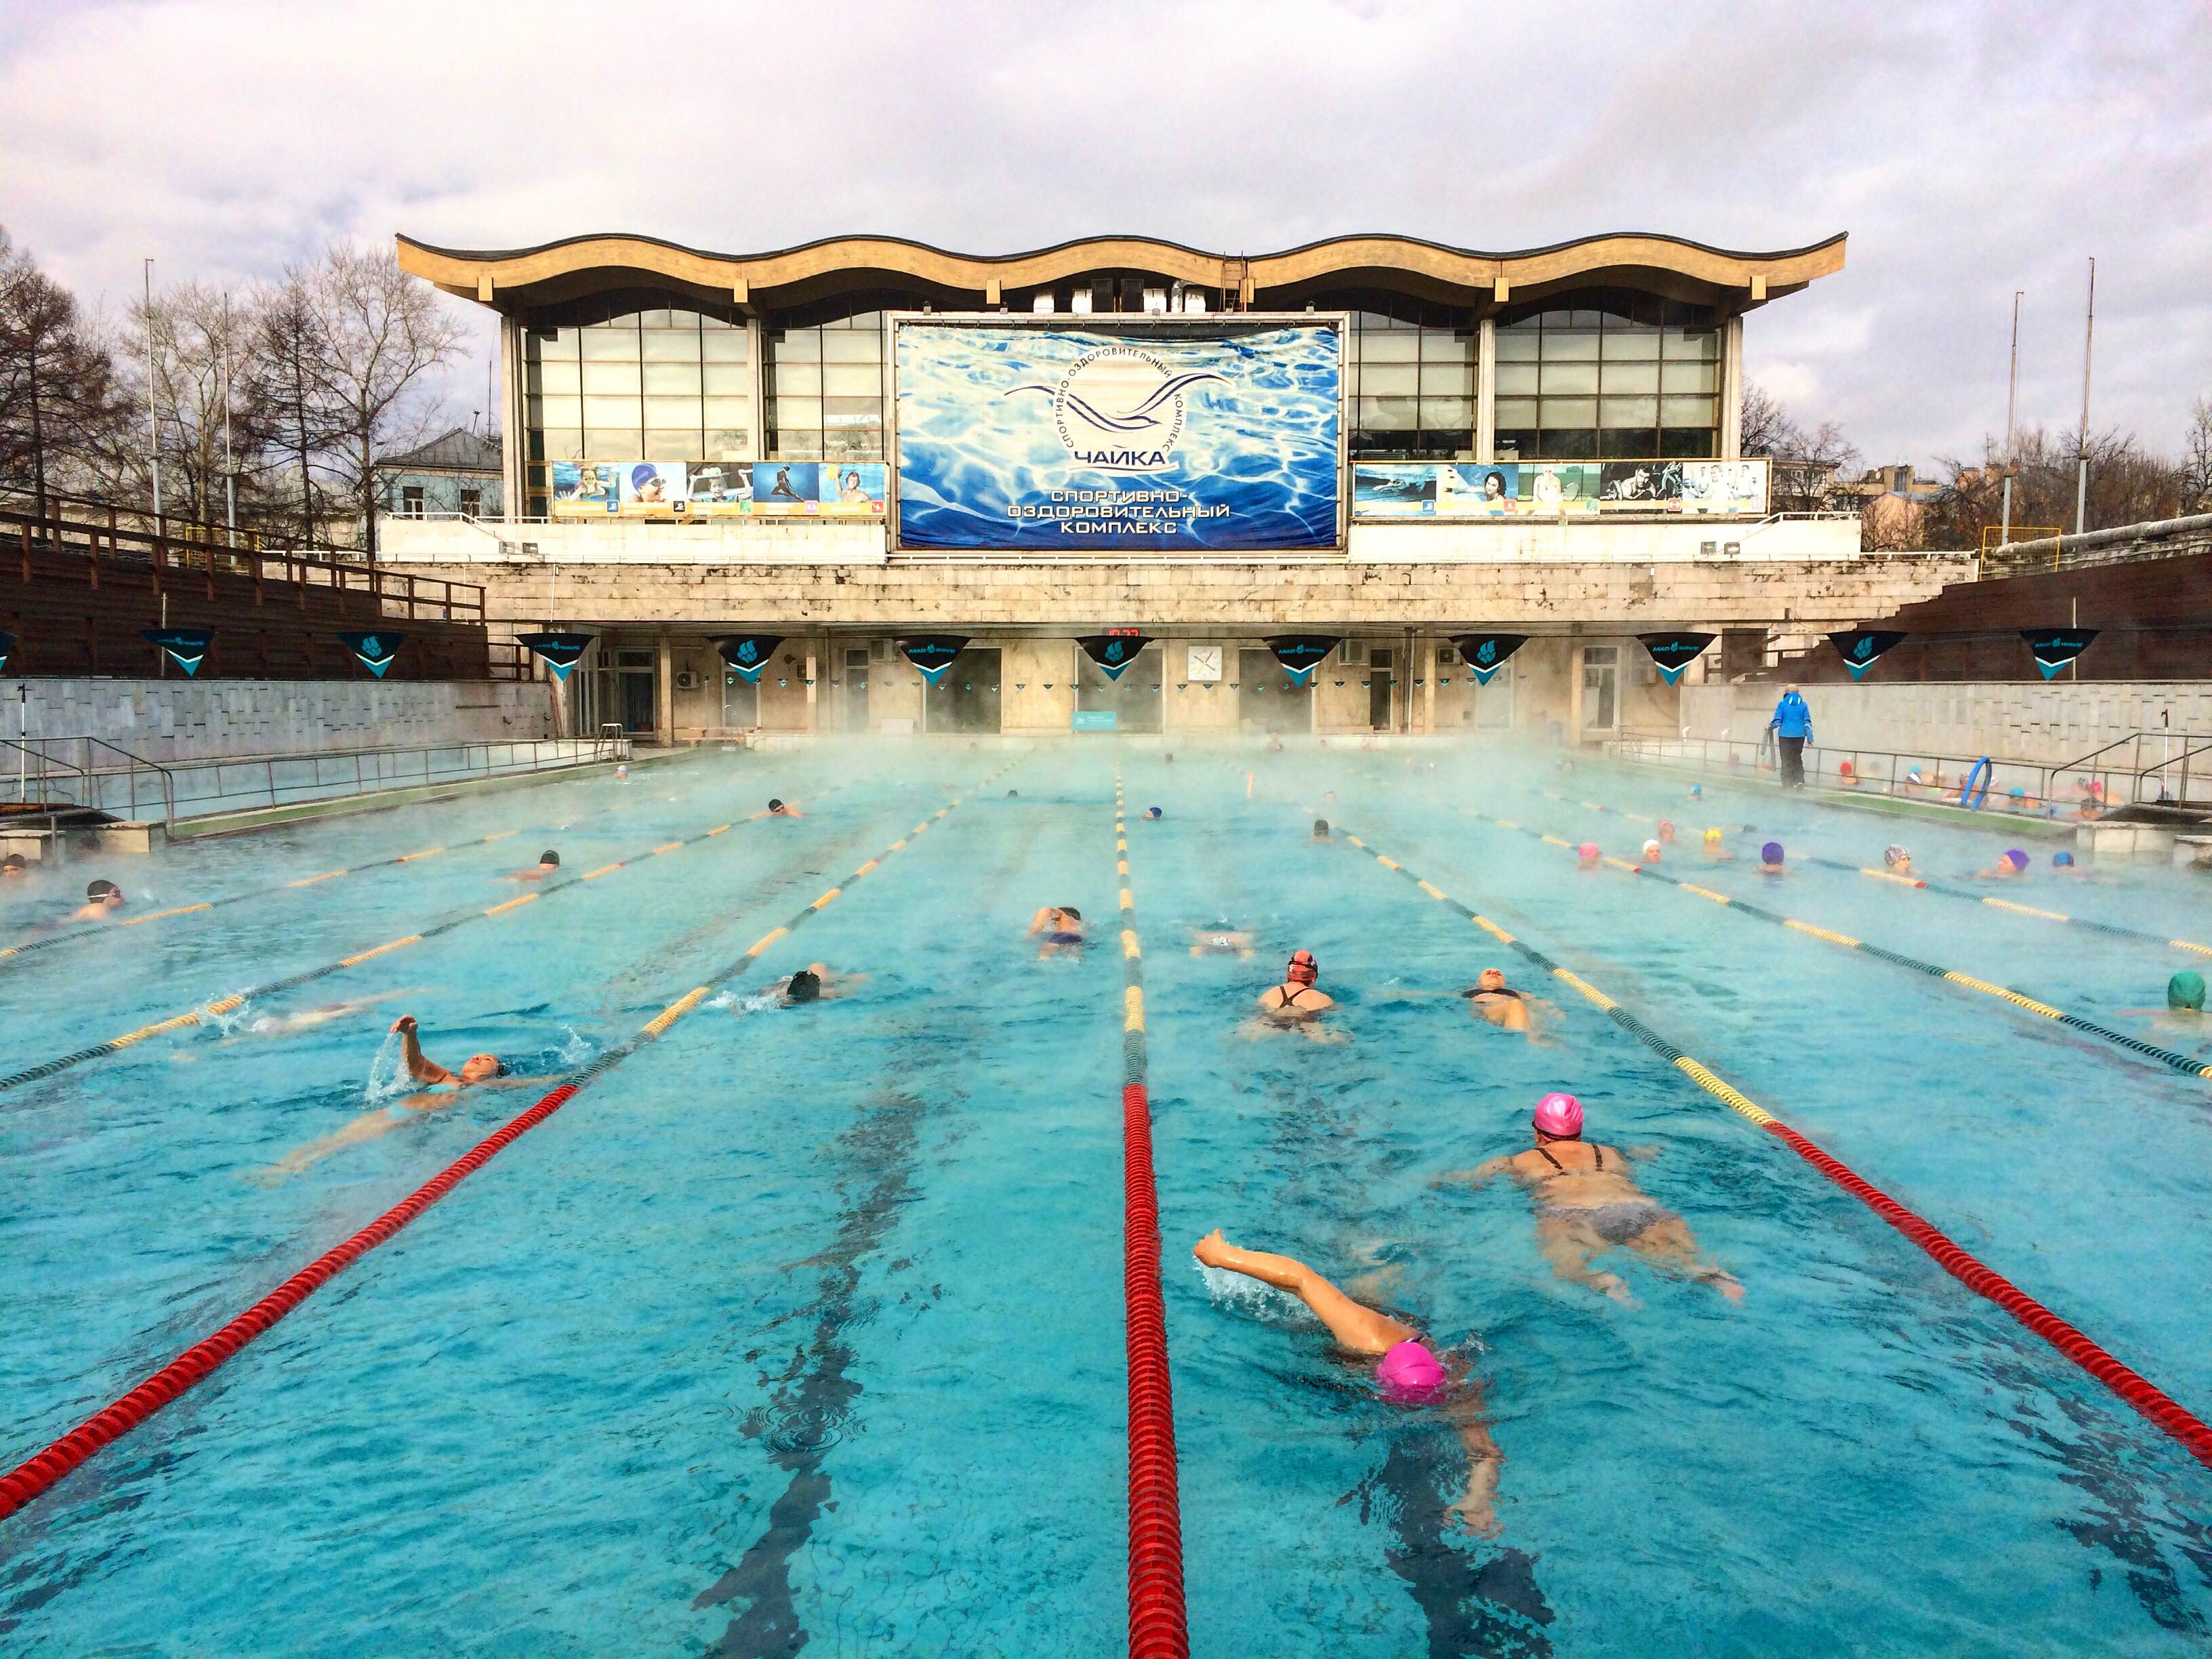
[[548, 856], [804, 985], [1071, 911], [13, 861], [1320, 826], [773, 803], [99, 889]]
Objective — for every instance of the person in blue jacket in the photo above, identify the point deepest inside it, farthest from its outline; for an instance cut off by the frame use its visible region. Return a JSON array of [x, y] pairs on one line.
[[1792, 726]]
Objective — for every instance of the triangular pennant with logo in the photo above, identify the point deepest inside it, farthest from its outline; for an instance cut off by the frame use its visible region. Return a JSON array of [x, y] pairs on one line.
[[7, 648], [1301, 654], [1113, 652], [373, 652], [1674, 652], [185, 647], [1486, 653], [2054, 647], [1862, 648], [933, 653], [748, 653], [559, 651]]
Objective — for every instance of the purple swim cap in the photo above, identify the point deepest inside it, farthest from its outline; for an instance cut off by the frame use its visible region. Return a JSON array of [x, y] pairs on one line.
[[1410, 1374], [2015, 857], [1770, 853]]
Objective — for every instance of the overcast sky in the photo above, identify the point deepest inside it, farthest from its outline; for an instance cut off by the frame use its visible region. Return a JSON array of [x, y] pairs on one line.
[[1969, 150]]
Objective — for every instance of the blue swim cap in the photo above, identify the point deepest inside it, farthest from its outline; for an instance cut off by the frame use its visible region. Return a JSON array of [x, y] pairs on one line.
[[1151, 812], [1697, 791], [1770, 853], [2063, 860], [641, 475]]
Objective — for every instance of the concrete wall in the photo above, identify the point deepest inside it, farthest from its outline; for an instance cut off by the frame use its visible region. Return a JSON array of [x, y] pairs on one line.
[[1586, 540], [184, 719], [1362, 600], [2049, 725]]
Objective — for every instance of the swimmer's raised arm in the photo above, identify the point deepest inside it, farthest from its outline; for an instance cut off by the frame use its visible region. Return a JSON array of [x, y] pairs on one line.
[[420, 1066], [1483, 1173]]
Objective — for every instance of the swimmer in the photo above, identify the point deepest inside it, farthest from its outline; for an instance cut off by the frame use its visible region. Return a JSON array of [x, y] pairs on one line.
[[2062, 860], [444, 1086], [1221, 941], [1587, 1204], [1062, 927], [1493, 999], [784, 809], [1012, 794], [100, 897], [816, 983], [1588, 855], [622, 774], [1294, 1005], [2184, 1003], [270, 1025], [1847, 774], [1153, 813], [1651, 852], [1696, 791], [1896, 859], [1409, 1373], [1770, 859], [1666, 831], [1715, 853], [14, 867], [2009, 867], [548, 864], [1321, 829]]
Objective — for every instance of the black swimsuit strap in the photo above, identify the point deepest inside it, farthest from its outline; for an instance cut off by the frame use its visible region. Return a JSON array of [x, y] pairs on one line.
[[1596, 1151]]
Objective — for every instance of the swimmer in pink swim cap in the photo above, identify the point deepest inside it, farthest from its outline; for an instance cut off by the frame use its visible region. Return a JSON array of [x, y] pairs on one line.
[[1587, 1203], [1406, 1372], [1589, 854]]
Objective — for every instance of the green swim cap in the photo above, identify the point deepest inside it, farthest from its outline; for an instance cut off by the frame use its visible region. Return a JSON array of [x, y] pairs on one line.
[[2185, 990]]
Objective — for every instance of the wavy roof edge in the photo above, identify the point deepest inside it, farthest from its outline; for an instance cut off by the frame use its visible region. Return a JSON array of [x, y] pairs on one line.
[[489, 254]]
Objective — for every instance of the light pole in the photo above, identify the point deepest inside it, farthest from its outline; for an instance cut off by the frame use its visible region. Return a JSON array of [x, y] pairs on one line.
[[229, 476], [2081, 472], [153, 427], [2012, 398]]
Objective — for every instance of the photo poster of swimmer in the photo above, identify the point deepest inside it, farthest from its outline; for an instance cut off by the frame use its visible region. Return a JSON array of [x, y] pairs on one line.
[[1497, 489]]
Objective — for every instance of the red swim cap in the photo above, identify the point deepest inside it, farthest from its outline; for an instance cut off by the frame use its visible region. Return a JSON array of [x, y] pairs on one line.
[[1304, 969]]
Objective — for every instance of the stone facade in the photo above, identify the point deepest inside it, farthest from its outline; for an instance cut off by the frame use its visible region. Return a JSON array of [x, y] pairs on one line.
[[182, 720]]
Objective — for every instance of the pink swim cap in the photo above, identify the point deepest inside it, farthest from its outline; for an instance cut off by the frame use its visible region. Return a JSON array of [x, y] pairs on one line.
[[1410, 1374], [1588, 851], [1559, 1114]]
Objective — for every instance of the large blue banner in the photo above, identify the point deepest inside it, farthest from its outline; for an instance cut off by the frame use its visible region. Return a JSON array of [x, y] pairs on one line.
[[1184, 435]]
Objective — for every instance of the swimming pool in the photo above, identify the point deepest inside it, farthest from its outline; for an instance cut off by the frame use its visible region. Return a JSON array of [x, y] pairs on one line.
[[804, 1327]]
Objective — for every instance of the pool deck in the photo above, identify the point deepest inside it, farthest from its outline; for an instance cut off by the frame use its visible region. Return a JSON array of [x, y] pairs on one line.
[[1894, 806]]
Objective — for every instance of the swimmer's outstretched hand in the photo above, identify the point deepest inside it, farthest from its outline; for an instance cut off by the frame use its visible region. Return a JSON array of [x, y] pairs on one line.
[[1214, 1249], [404, 1023]]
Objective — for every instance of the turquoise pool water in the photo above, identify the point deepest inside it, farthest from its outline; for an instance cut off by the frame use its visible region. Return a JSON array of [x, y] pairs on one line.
[[802, 1329]]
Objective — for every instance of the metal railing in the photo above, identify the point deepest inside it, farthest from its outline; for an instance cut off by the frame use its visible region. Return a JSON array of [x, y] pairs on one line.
[[46, 780], [197, 788], [2045, 790], [2126, 544]]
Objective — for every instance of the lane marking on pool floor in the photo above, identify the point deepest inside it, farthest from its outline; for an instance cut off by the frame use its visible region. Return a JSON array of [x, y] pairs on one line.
[[94, 930], [1159, 1625], [2185, 1064], [293, 982], [2112, 929], [195, 1364], [2130, 1386]]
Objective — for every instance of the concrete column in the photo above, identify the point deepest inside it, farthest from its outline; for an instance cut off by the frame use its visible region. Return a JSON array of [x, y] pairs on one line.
[[664, 690], [1574, 694], [1429, 685], [813, 684], [1485, 391], [1732, 389], [513, 419]]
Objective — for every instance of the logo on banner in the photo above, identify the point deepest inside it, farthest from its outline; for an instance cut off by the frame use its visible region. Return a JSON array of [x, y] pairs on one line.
[[559, 651], [1673, 653], [7, 648], [2053, 649], [1301, 653], [1862, 648], [1486, 653], [186, 646], [748, 653], [933, 653], [1120, 408], [373, 652], [1113, 652]]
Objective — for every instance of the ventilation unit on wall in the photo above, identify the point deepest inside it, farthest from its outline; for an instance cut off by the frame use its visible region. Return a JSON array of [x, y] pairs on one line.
[[1355, 654], [688, 679]]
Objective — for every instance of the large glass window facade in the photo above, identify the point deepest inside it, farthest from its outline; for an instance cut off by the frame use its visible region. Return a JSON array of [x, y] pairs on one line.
[[661, 385], [1409, 379], [825, 390], [1628, 377]]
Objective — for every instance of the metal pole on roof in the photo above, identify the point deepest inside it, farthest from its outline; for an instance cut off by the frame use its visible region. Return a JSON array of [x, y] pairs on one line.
[[2081, 472], [229, 476], [2012, 399]]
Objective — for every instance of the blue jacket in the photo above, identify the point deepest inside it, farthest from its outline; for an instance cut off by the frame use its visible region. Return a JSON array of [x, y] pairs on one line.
[[1791, 717]]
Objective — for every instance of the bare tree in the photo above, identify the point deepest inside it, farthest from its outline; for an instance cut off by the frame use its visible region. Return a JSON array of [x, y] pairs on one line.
[[378, 335], [208, 417], [284, 348], [1805, 463], [2196, 458], [2127, 485], [61, 406]]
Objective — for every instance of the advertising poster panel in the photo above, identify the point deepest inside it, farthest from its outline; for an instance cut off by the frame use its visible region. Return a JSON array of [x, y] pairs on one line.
[[1179, 435], [721, 489], [1544, 489]]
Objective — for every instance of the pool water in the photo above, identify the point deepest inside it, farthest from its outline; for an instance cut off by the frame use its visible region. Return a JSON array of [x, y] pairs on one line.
[[802, 1329]]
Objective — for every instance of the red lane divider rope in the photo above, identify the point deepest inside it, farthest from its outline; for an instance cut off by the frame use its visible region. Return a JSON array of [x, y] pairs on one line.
[[1158, 1624], [200, 1361], [2145, 1396]]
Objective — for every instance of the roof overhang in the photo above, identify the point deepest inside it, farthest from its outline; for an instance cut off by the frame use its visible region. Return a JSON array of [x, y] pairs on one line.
[[523, 280]]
